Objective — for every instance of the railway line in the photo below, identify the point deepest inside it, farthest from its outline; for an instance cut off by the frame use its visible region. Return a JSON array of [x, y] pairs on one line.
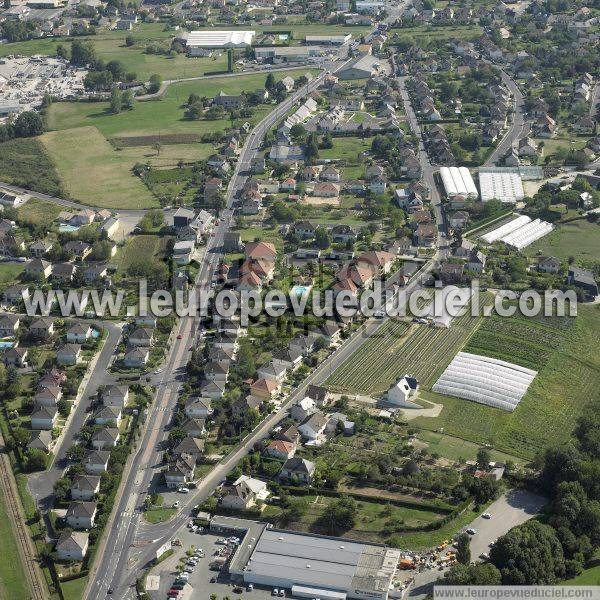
[[17, 518]]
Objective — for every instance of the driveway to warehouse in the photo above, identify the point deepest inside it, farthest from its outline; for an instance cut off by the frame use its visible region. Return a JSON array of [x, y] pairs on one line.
[[511, 509]]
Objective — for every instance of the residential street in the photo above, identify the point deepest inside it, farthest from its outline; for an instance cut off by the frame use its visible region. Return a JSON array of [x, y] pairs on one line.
[[41, 484]]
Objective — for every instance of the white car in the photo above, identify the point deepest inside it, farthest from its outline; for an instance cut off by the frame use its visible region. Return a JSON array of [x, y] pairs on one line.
[[175, 504], [471, 531], [183, 490], [486, 515]]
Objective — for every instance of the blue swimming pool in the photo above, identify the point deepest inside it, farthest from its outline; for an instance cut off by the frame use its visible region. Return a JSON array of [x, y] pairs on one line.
[[67, 228], [301, 290], [4, 345], [95, 333]]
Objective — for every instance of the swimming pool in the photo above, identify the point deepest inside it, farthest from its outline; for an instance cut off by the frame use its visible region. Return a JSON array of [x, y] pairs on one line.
[[4, 345], [67, 228], [95, 333], [301, 290]]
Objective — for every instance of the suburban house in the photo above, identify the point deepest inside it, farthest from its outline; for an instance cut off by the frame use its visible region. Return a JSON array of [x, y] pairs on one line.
[[313, 426], [194, 427], [136, 357], [281, 449], [40, 439], [242, 406], [180, 471], [584, 280], [191, 446], [198, 407], [265, 388], [548, 264], [79, 333], [38, 268], [142, 336], [9, 324], [319, 394], [72, 545], [244, 493], [108, 415], [42, 328], [105, 438], [400, 393], [81, 515], [298, 469], [16, 357], [48, 396], [85, 487], [115, 395], [274, 370], [303, 409], [69, 354], [96, 461], [44, 417]]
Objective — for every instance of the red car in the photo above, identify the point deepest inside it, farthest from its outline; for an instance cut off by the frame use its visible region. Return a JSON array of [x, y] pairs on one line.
[[179, 336]]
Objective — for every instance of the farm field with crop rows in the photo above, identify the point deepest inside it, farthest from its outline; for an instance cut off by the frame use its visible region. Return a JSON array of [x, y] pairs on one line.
[[561, 350], [400, 348]]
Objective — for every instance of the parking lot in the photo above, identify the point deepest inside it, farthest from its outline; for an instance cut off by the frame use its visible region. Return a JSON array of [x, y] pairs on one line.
[[201, 584]]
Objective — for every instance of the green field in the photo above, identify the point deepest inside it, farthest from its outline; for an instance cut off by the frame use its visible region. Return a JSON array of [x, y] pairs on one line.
[[159, 515], [568, 367], [400, 348], [12, 576], [430, 32], [590, 576], [38, 211], [138, 249], [347, 148], [580, 239], [73, 590], [24, 162], [109, 182], [9, 272]]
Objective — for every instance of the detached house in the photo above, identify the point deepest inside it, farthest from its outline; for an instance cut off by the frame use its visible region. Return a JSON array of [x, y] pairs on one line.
[[79, 333], [69, 354], [244, 493], [298, 469], [180, 471], [81, 515], [85, 487], [72, 545], [42, 328], [44, 417]]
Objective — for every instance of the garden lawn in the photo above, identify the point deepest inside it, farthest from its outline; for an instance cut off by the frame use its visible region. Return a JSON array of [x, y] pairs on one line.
[[138, 249], [346, 148], [38, 211], [73, 590], [579, 238], [93, 172], [9, 272], [13, 582], [159, 515]]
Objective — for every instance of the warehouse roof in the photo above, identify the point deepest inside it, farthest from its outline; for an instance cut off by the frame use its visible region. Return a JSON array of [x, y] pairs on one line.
[[219, 39], [323, 562]]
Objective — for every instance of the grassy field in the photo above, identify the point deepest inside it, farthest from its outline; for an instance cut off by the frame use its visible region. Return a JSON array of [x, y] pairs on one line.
[[110, 182], [12, 576], [590, 576], [568, 374], [346, 148], [159, 515], [429, 32], [373, 521], [73, 590], [165, 116], [400, 348], [37, 211], [9, 272], [138, 249], [580, 239], [24, 162]]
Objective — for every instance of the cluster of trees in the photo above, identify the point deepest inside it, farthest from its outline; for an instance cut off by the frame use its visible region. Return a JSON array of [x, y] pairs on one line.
[[543, 553], [17, 31], [27, 124]]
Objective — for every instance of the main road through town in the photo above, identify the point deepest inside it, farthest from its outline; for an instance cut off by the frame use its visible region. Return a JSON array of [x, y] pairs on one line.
[[111, 567]]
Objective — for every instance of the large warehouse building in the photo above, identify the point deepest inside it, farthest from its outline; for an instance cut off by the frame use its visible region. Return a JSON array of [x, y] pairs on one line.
[[311, 566], [210, 39]]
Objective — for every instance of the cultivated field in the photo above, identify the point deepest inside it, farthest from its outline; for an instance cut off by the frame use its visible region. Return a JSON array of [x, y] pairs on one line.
[[564, 353], [93, 172], [398, 349], [580, 239]]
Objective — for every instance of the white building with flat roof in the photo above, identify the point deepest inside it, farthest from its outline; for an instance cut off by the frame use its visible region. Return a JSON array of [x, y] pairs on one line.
[[200, 40]]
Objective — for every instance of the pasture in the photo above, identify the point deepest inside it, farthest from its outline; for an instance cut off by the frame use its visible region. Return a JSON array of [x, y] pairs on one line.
[[38, 211], [579, 238], [92, 172]]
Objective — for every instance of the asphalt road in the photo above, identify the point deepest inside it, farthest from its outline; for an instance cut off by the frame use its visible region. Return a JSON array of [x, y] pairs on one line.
[[518, 127], [511, 509], [111, 567], [41, 484]]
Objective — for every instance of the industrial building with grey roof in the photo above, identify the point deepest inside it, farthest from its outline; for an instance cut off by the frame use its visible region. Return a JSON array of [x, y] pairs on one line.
[[326, 567]]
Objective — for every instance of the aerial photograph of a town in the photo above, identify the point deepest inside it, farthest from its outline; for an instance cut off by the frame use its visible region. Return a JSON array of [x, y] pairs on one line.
[[299, 299]]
